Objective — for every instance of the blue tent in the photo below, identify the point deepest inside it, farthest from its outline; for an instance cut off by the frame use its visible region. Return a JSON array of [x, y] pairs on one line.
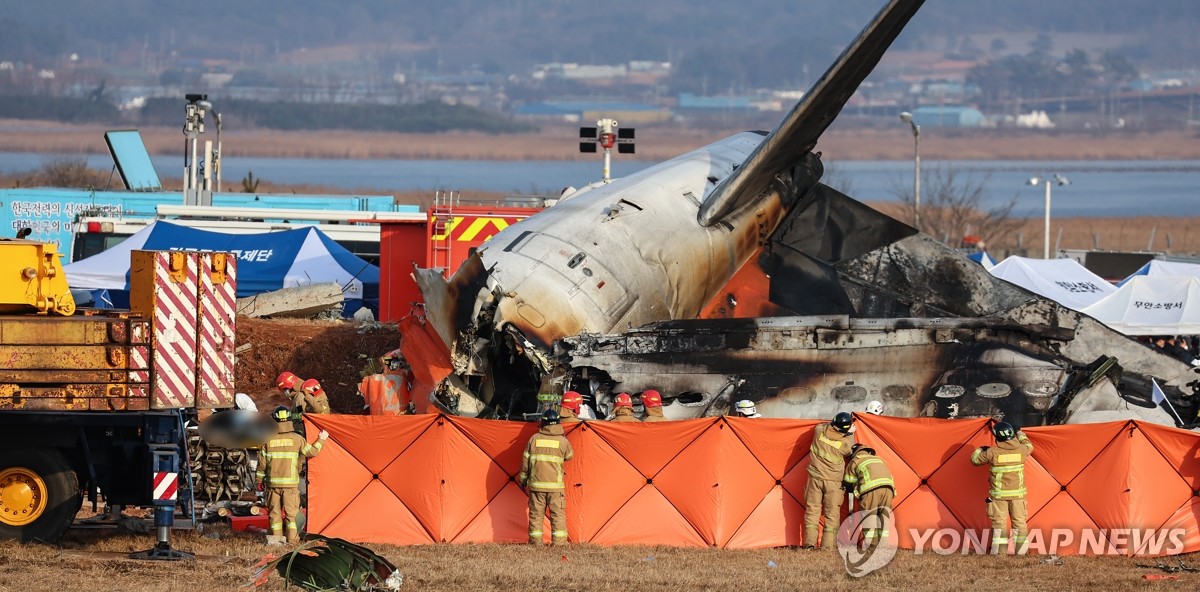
[[982, 258], [266, 262]]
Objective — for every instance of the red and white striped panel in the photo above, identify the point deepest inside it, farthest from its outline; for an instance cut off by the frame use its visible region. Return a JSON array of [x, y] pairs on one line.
[[139, 353], [174, 325], [166, 486], [216, 338]]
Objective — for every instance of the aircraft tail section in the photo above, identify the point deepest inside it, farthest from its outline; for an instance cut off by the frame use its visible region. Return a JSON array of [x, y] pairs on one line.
[[798, 132]]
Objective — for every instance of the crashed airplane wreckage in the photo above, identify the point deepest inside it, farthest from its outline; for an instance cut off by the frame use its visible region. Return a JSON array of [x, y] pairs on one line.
[[617, 288]]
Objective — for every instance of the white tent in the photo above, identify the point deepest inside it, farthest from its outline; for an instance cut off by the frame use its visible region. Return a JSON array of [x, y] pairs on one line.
[[1064, 281], [1152, 305], [1158, 267]]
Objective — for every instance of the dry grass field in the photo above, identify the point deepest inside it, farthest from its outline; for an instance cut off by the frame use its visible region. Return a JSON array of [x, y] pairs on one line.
[[658, 143], [94, 562]]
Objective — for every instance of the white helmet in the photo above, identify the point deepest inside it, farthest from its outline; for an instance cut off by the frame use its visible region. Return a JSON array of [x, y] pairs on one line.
[[746, 408], [875, 408]]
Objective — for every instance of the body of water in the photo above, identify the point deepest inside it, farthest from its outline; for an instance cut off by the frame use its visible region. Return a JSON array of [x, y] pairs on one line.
[[1097, 188]]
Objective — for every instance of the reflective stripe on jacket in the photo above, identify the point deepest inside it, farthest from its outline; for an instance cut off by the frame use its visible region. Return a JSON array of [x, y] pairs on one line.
[[827, 455], [542, 465], [1007, 460], [279, 465], [867, 472]]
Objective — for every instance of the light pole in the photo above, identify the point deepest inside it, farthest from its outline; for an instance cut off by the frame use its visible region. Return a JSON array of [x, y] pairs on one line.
[[1057, 180], [907, 117]]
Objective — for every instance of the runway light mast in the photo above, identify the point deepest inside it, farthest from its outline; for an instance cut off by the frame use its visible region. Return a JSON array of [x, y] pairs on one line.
[[1057, 180], [607, 134]]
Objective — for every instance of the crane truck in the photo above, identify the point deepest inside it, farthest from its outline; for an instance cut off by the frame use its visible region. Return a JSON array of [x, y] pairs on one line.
[[94, 403]]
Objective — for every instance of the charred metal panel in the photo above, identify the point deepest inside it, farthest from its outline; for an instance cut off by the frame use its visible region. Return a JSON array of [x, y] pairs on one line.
[[807, 367], [825, 228]]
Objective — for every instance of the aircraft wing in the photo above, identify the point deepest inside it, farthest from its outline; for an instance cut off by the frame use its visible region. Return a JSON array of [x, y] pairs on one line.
[[799, 131]]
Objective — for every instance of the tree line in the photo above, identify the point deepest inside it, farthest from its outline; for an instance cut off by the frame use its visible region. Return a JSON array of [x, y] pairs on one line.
[[427, 117]]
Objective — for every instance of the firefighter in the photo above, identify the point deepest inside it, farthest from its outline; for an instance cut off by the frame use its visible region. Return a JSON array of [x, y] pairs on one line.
[[569, 408], [623, 408], [279, 474], [1006, 496], [868, 478], [311, 398], [746, 408], [289, 385], [875, 408], [831, 444], [542, 478], [653, 403]]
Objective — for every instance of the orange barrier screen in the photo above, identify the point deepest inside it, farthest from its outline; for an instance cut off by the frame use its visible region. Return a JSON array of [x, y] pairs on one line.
[[735, 483]]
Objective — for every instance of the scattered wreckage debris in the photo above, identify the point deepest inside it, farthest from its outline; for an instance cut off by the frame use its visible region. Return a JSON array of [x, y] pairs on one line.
[[1180, 567], [298, 302]]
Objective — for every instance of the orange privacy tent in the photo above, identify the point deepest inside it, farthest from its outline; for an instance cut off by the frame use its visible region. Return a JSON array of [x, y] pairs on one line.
[[731, 482]]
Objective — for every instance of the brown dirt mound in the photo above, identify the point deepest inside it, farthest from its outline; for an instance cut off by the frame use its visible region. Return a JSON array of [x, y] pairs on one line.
[[333, 352]]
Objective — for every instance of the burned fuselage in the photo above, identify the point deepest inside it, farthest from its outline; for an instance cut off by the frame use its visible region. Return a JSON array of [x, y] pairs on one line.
[[662, 244], [814, 367]]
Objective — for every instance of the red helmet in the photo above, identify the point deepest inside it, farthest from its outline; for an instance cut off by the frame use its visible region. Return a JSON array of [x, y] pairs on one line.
[[287, 380], [651, 399], [624, 400], [311, 386], [572, 400]]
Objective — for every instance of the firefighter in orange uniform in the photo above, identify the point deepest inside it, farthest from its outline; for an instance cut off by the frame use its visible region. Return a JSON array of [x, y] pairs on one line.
[[542, 478], [311, 398], [652, 401], [868, 478], [279, 474], [826, 466], [569, 408], [623, 408], [1006, 496]]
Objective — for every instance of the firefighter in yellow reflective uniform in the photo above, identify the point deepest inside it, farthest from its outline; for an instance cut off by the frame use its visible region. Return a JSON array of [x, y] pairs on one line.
[[542, 478], [869, 479], [1006, 494], [826, 465], [279, 474]]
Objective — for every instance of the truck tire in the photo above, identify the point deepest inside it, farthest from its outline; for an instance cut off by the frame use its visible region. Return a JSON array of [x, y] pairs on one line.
[[39, 495]]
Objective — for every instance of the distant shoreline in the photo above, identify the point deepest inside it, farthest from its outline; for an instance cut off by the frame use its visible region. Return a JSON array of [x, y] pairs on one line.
[[654, 143]]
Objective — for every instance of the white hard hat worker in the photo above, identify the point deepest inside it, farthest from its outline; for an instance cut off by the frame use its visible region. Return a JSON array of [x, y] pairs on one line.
[[746, 408], [875, 408]]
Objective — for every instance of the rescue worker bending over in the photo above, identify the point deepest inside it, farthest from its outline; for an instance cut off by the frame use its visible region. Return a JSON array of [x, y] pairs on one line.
[[623, 408], [542, 479], [1006, 496], [279, 474], [746, 408], [569, 408], [653, 404], [868, 478], [831, 445], [312, 398]]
